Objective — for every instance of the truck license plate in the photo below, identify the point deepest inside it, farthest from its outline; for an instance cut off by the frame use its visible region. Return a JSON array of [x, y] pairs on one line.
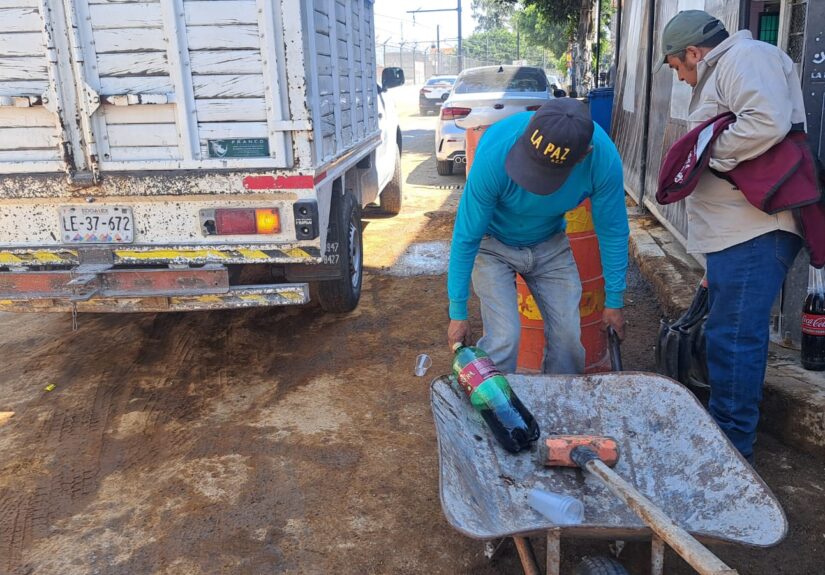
[[96, 224]]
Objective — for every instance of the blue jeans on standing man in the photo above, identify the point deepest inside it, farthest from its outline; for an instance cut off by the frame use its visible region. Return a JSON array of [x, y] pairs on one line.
[[551, 274], [743, 282]]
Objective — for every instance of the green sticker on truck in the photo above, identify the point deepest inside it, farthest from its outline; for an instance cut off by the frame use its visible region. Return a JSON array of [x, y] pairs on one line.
[[239, 148]]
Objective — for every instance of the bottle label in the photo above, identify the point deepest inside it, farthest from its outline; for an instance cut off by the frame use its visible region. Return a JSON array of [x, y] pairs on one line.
[[813, 324], [475, 373]]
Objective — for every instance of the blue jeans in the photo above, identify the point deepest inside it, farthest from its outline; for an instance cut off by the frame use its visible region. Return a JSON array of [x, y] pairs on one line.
[[551, 274], [743, 282]]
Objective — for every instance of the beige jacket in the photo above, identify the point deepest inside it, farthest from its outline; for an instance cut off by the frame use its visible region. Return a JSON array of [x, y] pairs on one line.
[[757, 82]]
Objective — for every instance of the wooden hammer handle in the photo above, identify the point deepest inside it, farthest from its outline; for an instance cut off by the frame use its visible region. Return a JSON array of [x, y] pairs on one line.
[[697, 555]]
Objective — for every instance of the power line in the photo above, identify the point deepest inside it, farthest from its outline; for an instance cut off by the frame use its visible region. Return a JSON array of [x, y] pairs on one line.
[[410, 21]]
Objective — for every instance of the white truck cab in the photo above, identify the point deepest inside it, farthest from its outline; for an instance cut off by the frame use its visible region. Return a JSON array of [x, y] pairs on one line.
[[388, 154]]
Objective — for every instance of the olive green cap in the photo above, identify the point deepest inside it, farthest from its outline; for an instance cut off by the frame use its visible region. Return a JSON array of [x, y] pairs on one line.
[[687, 28]]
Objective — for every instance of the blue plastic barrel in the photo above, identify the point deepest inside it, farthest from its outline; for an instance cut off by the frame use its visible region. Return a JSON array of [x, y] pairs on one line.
[[601, 106]]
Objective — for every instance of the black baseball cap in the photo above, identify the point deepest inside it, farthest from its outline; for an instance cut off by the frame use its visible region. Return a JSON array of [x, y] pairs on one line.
[[556, 139]]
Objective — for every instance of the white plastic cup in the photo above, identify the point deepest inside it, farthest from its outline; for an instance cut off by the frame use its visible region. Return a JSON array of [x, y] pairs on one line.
[[422, 364], [558, 508]]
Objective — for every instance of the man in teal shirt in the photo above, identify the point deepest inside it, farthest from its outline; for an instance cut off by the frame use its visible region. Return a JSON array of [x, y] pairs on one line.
[[529, 169]]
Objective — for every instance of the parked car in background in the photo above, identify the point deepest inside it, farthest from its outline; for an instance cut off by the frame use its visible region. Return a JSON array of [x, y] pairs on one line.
[[483, 96], [434, 92], [555, 81]]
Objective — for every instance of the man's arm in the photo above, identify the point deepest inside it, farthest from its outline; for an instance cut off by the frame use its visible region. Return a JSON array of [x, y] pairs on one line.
[[472, 220], [612, 230], [758, 94]]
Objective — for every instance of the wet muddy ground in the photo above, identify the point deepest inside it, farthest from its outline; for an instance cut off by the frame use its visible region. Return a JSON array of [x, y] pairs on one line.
[[283, 441]]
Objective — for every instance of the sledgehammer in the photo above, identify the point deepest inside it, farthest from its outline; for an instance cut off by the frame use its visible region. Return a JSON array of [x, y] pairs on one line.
[[597, 455]]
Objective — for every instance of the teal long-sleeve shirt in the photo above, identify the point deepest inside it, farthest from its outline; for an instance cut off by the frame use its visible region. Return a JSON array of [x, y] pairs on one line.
[[494, 204]]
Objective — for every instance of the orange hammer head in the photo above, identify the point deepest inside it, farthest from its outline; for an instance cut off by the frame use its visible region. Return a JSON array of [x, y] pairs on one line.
[[556, 451]]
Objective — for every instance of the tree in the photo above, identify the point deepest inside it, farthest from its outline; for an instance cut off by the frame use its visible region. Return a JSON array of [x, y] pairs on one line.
[[494, 47], [576, 16], [492, 14], [606, 47], [537, 31]]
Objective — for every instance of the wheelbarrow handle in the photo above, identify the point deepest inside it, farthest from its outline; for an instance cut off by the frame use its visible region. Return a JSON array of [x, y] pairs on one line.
[[614, 348], [683, 543]]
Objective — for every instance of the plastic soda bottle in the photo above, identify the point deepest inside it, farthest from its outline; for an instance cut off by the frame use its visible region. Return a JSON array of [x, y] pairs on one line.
[[491, 395]]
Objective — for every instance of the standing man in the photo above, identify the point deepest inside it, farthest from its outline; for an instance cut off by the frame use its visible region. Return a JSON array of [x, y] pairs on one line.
[[530, 169], [748, 252]]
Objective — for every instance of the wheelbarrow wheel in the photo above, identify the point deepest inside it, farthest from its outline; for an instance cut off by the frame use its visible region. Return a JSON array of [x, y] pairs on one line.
[[600, 566]]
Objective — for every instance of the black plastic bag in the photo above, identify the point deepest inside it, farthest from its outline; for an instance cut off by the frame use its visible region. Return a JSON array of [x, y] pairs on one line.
[[680, 347]]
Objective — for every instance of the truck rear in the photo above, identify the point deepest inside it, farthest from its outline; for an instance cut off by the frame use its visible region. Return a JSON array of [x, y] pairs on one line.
[[172, 154]]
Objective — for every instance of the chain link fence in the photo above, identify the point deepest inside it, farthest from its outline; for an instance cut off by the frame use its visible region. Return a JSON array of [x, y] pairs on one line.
[[419, 64]]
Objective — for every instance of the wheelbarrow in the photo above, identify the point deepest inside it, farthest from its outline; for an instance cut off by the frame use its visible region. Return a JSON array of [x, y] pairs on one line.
[[671, 451]]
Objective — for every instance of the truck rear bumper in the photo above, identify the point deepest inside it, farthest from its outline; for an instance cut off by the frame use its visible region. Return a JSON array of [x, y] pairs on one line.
[[100, 288], [142, 254]]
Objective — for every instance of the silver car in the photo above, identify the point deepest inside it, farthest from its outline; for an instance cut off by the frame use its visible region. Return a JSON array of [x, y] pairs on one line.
[[483, 96]]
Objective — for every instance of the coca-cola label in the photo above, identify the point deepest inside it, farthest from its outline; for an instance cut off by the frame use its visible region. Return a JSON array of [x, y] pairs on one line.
[[813, 324], [475, 373]]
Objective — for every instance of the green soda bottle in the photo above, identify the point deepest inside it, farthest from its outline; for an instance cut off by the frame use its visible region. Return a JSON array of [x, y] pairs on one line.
[[490, 394]]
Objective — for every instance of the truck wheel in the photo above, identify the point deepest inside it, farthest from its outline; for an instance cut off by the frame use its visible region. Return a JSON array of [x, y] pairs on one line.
[[391, 195], [600, 566], [444, 168], [345, 249]]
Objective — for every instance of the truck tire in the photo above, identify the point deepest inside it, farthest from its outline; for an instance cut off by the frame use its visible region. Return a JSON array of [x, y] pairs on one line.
[[345, 245], [444, 168], [600, 565], [392, 195]]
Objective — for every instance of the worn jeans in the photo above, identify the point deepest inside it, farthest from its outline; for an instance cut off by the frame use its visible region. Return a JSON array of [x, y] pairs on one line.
[[743, 282], [551, 274]]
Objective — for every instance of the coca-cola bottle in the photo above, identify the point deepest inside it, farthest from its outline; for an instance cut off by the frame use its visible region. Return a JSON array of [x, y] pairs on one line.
[[813, 322], [491, 395]]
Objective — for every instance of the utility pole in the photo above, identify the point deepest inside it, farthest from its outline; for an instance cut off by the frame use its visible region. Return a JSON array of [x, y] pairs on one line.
[[457, 9], [574, 54], [385, 51], [415, 47], [598, 38], [518, 41], [460, 50], [438, 48], [486, 49]]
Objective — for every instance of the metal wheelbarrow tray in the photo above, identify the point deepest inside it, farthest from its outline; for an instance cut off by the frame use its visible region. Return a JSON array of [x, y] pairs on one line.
[[670, 449]]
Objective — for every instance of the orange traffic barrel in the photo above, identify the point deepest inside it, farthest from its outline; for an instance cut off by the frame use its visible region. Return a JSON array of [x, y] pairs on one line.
[[471, 138], [585, 246]]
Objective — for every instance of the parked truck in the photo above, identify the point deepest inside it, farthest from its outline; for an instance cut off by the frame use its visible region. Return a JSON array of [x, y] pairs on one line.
[[167, 155]]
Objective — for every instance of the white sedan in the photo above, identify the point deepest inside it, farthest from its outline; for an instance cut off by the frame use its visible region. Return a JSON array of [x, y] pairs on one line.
[[483, 96], [434, 92]]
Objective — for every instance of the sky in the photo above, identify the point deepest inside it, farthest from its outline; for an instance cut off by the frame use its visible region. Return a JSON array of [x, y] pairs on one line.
[[393, 23]]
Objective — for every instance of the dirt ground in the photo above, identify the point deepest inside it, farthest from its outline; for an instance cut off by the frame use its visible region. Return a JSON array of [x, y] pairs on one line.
[[283, 441]]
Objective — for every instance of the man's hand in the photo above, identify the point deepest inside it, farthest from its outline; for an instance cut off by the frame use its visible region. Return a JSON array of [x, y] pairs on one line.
[[613, 317], [458, 332]]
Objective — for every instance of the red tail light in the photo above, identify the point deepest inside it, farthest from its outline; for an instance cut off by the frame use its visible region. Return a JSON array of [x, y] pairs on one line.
[[425, 91], [247, 221], [534, 108], [452, 113]]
